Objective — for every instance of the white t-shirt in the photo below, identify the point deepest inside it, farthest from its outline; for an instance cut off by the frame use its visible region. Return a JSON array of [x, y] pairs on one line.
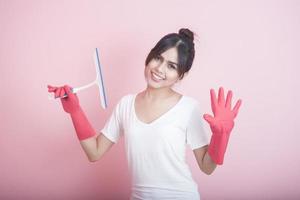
[[156, 151]]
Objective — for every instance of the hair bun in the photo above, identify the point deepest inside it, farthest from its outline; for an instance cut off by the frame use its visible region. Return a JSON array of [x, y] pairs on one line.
[[184, 32]]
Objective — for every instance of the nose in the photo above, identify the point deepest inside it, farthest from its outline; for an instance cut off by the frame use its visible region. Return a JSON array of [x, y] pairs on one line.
[[160, 67]]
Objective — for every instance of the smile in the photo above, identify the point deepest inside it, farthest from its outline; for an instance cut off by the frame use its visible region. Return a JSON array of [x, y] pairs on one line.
[[156, 77]]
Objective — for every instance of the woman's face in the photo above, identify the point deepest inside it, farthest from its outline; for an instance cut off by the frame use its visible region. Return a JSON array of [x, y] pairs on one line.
[[162, 70]]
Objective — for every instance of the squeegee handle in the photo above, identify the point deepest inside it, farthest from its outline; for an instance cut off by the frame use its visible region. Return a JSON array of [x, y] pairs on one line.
[[74, 90], [77, 89]]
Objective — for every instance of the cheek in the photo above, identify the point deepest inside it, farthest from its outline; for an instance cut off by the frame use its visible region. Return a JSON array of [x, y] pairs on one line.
[[149, 67], [152, 64], [173, 75], [147, 70], [172, 78]]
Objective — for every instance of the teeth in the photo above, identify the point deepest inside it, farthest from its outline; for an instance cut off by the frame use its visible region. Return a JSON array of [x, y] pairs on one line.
[[157, 77]]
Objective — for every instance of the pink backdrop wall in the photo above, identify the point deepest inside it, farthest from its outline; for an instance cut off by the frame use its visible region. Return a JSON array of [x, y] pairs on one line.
[[250, 47]]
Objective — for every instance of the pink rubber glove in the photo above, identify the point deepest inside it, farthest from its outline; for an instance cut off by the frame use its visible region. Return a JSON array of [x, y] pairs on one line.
[[71, 105], [221, 124]]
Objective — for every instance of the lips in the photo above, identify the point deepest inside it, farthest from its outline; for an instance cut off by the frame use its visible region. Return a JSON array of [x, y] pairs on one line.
[[157, 77]]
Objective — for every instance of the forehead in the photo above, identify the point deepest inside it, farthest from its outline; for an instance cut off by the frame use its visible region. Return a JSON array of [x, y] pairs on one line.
[[171, 54]]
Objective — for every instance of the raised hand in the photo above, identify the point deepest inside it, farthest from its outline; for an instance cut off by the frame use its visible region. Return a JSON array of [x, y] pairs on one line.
[[71, 105], [221, 123], [71, 102], [223, 115]]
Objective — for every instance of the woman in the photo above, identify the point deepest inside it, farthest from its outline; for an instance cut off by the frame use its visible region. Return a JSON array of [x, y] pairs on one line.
[[158, 123]]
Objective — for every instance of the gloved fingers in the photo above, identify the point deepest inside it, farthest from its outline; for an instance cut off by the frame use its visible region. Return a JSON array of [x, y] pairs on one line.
[[57, 92], [68, 89], [69, 92], [51, 88], [62, 92], [213, 100], [209, 118], [228, 99], [236, 107], [221, 99]]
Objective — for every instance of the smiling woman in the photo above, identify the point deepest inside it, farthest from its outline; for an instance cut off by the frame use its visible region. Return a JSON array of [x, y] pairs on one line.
[[183, 42], [160, 73], [158, 124]]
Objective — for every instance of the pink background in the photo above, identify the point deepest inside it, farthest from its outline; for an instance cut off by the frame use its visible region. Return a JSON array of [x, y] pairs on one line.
[[251, 47]]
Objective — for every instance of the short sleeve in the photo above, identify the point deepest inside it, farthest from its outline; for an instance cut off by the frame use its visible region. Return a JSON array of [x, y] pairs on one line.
[[113, 126], [196, 135]]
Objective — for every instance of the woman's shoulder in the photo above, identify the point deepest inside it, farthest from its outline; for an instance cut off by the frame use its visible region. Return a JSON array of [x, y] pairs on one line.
[[127, 98], [190, 99], [191, 103]]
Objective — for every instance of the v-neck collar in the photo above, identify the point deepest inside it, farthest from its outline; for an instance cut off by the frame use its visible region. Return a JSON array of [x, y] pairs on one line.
[[158, 118]]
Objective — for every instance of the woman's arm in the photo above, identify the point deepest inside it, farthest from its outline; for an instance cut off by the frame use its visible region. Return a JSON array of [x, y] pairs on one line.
[[221, 124], [205, 163], [95, 147]]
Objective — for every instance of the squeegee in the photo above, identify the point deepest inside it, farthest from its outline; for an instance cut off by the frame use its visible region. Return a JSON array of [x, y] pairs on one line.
[[98, 81]]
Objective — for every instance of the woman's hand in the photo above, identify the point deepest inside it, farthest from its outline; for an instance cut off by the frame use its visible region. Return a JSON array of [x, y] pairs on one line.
[[223, 115], [221, 124], [71, 102]]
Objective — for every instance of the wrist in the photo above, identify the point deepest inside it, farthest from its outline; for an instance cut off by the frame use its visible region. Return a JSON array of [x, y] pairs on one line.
[[76, 110], [218, 146], [82, 126]]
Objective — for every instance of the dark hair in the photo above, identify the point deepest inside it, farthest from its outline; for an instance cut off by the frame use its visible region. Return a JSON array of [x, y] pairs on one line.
[[184, 41]]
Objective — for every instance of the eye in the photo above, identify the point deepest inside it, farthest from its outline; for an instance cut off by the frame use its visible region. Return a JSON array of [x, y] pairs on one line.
[[172, 66]]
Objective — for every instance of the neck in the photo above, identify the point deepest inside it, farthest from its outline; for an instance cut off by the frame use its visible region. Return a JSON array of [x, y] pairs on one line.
[[153, 94]]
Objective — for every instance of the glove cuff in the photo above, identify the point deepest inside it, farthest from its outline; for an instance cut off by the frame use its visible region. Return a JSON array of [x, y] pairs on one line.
[[217, 147], [82, 126]]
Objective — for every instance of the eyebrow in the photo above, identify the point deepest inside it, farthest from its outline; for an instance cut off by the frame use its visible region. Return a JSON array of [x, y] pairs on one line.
[[169, 60]]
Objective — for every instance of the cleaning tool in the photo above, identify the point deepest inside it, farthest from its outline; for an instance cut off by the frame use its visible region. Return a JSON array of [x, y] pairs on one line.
[[98, 81]]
